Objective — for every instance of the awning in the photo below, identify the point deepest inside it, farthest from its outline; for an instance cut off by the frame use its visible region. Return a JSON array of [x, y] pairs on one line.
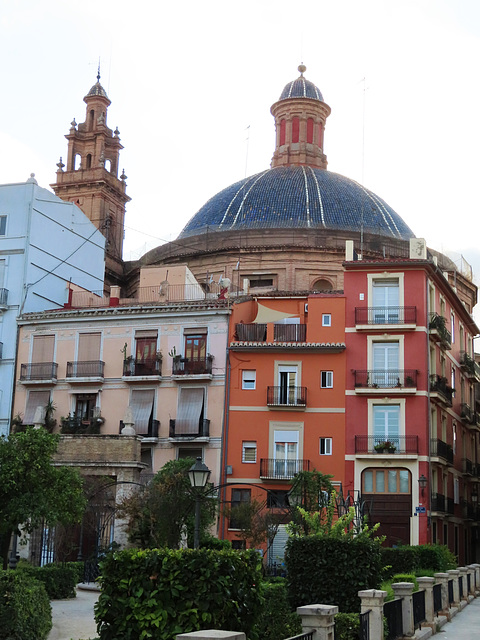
[[265, 314], [190, 406], [43, 348], [141, 404], [35, 399]]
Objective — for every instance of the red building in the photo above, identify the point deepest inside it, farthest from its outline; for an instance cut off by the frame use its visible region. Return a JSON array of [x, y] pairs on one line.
[[411, 433]]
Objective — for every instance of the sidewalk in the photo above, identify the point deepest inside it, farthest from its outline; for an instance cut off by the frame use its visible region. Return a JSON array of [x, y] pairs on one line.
[[73, 618], [464, 626]]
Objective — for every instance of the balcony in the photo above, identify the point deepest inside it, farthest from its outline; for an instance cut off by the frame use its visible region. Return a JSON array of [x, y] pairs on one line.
[[381, 316], [438, 330], [467, 467], [74, 425], [3, 299], [198, 367], [289, 332], [153, 427], [272, 469], [251, 332], [468, 364], [439, 386], [469, 511], [400, 380], [38, 372], [85, 371], [438, 502], [404, 445], [292, 397], [203, 430], [138, 370], [440, 449], [467, 413]]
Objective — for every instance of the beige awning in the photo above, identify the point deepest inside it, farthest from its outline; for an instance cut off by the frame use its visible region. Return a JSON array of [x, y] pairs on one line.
[[35, 399], [190, 406], [265, 314], [142, 406]]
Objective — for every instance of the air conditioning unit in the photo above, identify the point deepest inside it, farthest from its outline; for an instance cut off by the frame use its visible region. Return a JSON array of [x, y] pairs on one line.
[[306, 307]]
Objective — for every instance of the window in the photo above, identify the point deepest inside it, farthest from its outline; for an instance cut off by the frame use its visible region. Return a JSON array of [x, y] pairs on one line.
[[3, 225], [325, 446], [85, 404], [260, 282], [385, 298], [196, 346], [239, 496], [249, 378], [141, 404], [456, 491], [249, 452], [35, 399], [452, 326], [385, 364], [190, 412], [454, 437], [386, 423], [326, 379], [286, 453], [287, 385], [190, 452], [43, 349], [386, 481], [326, 319], [452, 375], [277, 498]]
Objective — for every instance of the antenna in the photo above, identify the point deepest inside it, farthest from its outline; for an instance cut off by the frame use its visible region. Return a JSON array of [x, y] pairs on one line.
[[363, 169], [246, 153]]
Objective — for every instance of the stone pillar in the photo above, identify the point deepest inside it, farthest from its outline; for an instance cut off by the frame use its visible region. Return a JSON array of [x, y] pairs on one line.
[[453, 574], [319, 618], [426, 584], [372, 600], [442, 578], [211, 634], [471, 573], [404, 590], [476, 580], [463, 574]]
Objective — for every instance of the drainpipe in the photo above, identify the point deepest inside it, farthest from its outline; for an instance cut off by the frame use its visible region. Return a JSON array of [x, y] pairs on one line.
[[429, 413], [226, 416]]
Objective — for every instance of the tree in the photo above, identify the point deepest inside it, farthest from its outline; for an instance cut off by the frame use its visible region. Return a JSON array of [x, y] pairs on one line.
[[32, 490], [158, 515], [255, 522]]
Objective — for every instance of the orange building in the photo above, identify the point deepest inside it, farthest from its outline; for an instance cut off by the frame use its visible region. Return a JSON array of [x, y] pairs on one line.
[[286, 398]]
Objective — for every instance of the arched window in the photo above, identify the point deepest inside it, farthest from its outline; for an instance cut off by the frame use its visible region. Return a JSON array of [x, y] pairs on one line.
[[108, 165], [322, 285], [77, 162], [295, 129], [91, 119], [89, 161], [310, 130], [282, 131]]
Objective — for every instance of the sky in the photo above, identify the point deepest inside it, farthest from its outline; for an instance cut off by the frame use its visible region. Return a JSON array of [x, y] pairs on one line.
[[192, 83]]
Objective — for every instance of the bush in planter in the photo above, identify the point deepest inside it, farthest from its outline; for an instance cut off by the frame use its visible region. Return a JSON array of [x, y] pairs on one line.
[[163, 592], [25, 612]]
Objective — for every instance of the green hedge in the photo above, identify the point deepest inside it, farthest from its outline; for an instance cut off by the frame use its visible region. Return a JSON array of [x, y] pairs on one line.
[[332, 570], [347, 626], [162, 592], [59, 580], [408, 559], [278, 620], [25, 612]]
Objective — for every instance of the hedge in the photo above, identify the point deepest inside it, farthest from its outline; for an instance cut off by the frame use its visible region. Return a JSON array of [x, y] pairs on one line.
[[408, 559], [25, 612], [162, 592], [332, 570], [59, 580], [278, 620]]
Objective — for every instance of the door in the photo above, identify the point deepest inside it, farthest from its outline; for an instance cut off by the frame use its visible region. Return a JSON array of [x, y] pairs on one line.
[[285, 454], [385, 302], [385, 364], [386, 424], [287, 385]]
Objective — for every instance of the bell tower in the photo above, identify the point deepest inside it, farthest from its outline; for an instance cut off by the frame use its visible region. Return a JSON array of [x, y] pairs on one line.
[[90, 177]]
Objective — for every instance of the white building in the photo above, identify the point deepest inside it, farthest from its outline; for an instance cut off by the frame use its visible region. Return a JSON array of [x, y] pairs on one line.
[[45, 243]]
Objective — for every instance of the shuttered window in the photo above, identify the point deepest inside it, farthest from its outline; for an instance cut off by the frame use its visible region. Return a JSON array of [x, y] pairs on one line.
[[141, 404], [89, 346], [190, 411], [35, 399], [43, 349]]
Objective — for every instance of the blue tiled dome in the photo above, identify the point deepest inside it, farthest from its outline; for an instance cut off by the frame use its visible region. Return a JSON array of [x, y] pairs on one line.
[[297, 197], [301, 88]]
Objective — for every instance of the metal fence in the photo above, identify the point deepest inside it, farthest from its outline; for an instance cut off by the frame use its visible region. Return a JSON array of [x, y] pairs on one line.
[[419, 614], [364, 630], [450, 592], [393, 613], [437, 598]]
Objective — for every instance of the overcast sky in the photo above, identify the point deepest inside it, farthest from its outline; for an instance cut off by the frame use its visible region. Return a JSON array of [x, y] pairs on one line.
[[191, 81]]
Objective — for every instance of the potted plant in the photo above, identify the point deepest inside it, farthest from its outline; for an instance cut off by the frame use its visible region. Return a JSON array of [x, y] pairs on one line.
[[385, 447]]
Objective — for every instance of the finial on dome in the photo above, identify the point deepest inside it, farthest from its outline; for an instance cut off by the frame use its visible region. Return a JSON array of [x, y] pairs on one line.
[[98, 72], [302, 68]]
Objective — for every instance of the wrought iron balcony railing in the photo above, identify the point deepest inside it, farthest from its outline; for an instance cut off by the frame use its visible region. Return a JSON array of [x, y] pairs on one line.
[[287, 396], [440, 385], [438, 324], [386, 379], [467, 467], [440, 449], [385, 315], [192, 366], [251, 332], [202, 432], [467, 363], [85, 369], [38, 371], [289, 332], [401, 444], [272, 469], [438, 502], [3, 297], [132, 367], [153, 427], [467, 413], [80, 426]]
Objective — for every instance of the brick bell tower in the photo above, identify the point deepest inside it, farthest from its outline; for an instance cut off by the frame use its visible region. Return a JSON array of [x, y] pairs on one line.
[[90, 178]]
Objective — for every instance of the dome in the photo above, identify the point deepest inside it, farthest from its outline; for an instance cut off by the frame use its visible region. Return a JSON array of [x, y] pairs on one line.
[[97, 89], [297, 197], [301, 88]]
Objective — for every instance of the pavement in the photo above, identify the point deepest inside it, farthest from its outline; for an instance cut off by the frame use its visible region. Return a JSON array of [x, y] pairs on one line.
[[464, 626], [73, 619]]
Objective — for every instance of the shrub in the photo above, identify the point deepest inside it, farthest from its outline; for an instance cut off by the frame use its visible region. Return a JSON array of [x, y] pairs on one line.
[[59, 580], [332, 570], [408, 559], [78, 568], [162, 592], [210, 542], [436, 556], [399, 560], [405, 577], [25, 612], [347, 626], [278, 620]]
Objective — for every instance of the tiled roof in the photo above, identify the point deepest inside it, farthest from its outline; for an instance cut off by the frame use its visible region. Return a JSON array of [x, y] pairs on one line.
[[301, 88], [297, 197], [97, 90]]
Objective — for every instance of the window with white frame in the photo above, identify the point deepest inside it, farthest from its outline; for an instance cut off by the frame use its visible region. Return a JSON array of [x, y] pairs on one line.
[[452, 326], [249, 452], [286, 453], [249, 378], [385, 299], [453, 380], [386, 424], [326, 319], [385, 359], [325, 446], [456, 491], [326, 379], [3, 225]]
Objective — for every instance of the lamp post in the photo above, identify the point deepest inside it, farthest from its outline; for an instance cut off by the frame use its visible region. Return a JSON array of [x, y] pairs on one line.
[[422, 483], [198, 475]]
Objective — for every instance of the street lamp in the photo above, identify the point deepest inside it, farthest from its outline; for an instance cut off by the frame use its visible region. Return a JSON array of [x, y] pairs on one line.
[[198, 475], [422, 483]]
